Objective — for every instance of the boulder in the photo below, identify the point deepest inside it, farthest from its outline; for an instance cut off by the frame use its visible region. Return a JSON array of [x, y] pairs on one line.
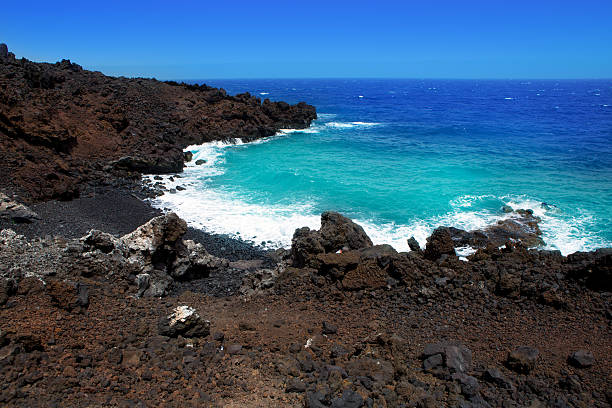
[[469, 385], [199, 162], [494, 376], [349, 399], [406, 267], [338, 232], [439, 243], [16, 212], [187, 156], [452, 355], [295, 385], [381, 253], [99, 240], [523, 359], [413, 244], [581, 359], [171, 162], [184, 321], [3, 51], [160, 231], [193, 261]]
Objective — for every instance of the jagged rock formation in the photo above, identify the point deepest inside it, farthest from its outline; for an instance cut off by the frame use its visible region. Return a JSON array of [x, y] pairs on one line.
[[359, 325], [62, 126], [152, 257]]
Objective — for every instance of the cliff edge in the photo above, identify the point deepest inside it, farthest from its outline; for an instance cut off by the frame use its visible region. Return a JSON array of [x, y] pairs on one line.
[[62, 127]]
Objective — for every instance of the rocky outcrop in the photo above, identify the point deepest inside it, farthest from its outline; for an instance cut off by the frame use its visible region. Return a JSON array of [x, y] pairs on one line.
[[63, 127], [340, 233], [439, 243], [594, 269], [357, 327], [337, 233], [517, 226], [511, 271], [156, 250], [14, 211], [152, 258]]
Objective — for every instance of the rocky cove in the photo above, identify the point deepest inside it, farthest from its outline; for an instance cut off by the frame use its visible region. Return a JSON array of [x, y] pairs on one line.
[[107, 302]]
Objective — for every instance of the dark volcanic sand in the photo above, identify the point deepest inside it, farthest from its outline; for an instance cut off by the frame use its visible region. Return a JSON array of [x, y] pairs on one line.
[[118, 213]]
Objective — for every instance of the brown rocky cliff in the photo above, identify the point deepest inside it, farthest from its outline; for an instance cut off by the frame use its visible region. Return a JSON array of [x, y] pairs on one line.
[[61, 126]]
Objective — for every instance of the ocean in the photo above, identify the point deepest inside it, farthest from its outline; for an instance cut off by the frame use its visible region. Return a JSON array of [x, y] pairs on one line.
[[402, 157]]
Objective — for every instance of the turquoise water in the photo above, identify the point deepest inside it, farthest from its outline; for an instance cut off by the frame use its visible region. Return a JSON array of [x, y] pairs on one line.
[[402, 157]]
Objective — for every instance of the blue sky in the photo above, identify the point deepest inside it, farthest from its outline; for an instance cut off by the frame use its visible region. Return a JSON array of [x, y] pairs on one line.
[[291, 39]]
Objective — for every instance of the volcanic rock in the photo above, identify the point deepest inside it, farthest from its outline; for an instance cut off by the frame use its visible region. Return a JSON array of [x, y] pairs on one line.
[[368, 274], [295, 385], [349, 399], [519, 226], [329, 328], [523, 359], [454, 355], [63, 127], [14, 211], [305, 246], [439, 243], [338, 232], [493, 375], [593, 268], [581, 359], [184, 320], [469, 384], [413, 244]]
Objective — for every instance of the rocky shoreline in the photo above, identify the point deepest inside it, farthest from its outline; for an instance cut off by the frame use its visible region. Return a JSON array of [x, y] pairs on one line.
[[66, 131], [143, 319], [105, 301]]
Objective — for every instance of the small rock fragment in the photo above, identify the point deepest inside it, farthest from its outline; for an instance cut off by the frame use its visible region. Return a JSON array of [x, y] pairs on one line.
[[581, 359], [523, 359], [329, 328]]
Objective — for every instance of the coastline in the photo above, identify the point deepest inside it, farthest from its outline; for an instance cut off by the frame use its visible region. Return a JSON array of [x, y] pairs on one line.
[[145, 311]]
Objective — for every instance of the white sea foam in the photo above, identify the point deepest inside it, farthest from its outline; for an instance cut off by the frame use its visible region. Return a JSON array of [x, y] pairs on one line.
[[264, 93], [347, 125], [219, 211], [465, 251], [313, 129]]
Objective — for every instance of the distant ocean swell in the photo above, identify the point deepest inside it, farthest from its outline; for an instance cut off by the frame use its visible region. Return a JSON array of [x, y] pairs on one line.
[[218, 210]]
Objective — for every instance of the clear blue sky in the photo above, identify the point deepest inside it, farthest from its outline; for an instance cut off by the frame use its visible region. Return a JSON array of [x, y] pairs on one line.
[[298, 39]]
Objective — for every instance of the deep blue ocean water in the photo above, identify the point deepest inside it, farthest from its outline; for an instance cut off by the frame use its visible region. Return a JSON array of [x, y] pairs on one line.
[[404, 156]]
